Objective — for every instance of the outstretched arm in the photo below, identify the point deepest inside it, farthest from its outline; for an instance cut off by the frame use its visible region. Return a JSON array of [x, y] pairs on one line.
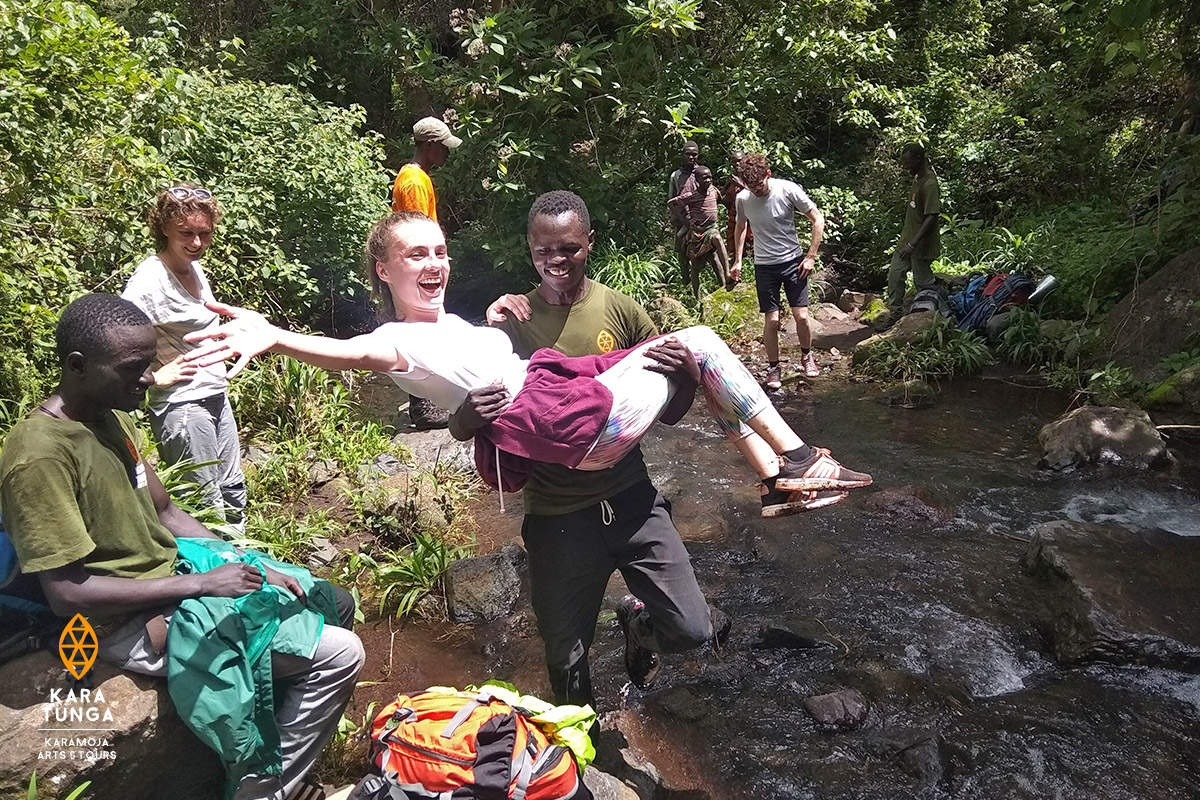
[[249, 333]]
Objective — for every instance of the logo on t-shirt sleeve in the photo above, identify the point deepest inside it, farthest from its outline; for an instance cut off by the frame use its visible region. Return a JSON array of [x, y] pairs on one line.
[[605, 342]]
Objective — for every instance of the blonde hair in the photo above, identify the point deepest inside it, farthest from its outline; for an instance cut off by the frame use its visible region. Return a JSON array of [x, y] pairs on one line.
[[167, 208], [378, 242]]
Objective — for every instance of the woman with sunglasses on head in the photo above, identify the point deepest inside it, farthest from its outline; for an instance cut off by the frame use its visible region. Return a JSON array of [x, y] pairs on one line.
[[189, 407]]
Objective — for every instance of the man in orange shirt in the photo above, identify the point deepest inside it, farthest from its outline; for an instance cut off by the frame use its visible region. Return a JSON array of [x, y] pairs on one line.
[[413, 190]]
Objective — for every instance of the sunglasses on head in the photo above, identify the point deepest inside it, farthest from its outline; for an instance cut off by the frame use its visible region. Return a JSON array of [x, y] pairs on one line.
[[184, 192]]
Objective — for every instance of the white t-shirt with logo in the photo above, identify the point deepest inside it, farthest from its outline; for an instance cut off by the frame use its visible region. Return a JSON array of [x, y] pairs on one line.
[[450, 357], [175, 312], [773, 220]]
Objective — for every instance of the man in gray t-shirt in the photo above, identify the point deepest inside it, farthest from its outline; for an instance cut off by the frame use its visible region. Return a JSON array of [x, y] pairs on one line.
[[769, 205]]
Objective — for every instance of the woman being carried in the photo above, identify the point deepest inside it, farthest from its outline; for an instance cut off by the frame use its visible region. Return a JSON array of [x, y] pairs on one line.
[[585, 413]]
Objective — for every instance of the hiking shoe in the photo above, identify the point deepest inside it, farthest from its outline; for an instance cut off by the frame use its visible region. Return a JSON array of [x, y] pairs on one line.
[[819, 472], [808, 363], [426, 416], [774, 379], [641, 664], [783, 503]]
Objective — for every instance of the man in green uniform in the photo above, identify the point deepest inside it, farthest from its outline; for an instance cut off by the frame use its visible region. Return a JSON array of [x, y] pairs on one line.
[[90, 518], [581, 526], [920, 241]]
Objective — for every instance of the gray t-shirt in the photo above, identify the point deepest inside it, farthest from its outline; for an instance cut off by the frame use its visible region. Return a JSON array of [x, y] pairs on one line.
[[773, 220], [175, 312]]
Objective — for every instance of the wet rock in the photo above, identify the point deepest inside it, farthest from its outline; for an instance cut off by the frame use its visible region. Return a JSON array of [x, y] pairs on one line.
[[909, 394], [792, 636], [852, 301], [1118, 594], [844, 709], [616, 756], [915, 749], [145, 733], [909, 504], [680, 703], [906, 331], [1158, 318], [485, 588], [1102, 434]]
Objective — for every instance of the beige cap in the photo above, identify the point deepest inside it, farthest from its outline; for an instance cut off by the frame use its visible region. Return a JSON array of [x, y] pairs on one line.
[[432, 129]]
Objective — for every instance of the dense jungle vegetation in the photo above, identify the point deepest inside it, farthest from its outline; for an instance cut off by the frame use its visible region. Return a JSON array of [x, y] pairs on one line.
[[1065, 135]]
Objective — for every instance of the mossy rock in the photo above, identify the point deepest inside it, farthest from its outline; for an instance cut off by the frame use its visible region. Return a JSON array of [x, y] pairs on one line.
[[1181, 389], [669, 314], [875, 310]]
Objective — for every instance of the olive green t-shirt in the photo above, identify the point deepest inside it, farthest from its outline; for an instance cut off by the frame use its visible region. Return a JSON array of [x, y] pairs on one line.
[[71, 491], [924, 201], [603, 320]]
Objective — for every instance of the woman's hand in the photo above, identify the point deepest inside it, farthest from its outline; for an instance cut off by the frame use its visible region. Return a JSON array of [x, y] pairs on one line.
[[515, 304], [177, 370], [247, 334]]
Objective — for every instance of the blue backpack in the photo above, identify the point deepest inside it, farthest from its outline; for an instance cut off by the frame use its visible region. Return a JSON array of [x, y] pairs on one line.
[[26, 621], [962, 302], [1000, 292]]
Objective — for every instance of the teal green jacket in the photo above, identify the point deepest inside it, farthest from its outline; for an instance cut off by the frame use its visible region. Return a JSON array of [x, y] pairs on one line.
[[218, 656]]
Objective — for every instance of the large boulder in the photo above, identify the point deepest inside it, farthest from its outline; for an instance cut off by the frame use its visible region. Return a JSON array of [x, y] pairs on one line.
[[1103, 434], [1118, 594], [1158, 318], [143, 750]]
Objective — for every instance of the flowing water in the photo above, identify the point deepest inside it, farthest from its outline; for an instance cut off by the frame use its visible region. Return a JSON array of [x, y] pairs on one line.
[[928, 619]]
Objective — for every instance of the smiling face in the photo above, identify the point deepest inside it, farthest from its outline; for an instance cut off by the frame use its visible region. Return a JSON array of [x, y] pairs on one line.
[[188, 237], [704, 179], [559, 246], [416, 270], [118, 374]]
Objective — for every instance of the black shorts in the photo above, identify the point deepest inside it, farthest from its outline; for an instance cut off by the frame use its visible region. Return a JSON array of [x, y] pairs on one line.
[[769, 277]]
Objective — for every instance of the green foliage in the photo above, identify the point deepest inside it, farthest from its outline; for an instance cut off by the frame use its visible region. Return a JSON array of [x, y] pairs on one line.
[[284, 534], [942, 351], [1113, 384], [637, 274], [1177, 362], [95, 122], [74, 794], [402, 576]]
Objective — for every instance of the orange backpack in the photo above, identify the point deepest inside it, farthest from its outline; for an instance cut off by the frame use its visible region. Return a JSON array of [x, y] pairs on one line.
[[467, 746]]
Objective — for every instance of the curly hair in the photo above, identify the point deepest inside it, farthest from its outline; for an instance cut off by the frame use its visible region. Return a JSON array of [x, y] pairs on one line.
[[167, 208], [560, 201], [85, 323], [753, 168], [378, 242]]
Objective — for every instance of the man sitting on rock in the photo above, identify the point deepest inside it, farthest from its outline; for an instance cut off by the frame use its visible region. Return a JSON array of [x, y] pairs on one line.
[[90, 518]]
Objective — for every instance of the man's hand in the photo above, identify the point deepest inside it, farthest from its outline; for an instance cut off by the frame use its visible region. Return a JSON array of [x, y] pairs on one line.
[[177, 370], [230, 580], [281, 581], [735, 272], [245, 336], [673, 359], [481, 406], [515, 304], [807, 266], [906, 251]]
